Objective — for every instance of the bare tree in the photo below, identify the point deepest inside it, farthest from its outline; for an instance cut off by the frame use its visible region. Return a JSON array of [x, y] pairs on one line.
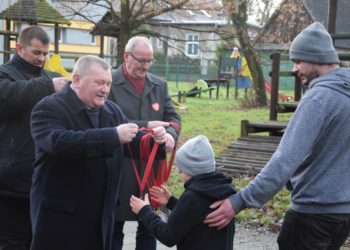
[[237, 11], [126, 18], [261, 10]]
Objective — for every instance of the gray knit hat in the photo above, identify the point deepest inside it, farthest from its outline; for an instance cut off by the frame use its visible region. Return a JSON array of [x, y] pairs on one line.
[[196, 156], [313, 44]]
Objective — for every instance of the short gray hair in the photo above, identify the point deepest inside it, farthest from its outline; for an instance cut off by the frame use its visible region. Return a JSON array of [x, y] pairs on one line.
[[130, 46], [84, 63]]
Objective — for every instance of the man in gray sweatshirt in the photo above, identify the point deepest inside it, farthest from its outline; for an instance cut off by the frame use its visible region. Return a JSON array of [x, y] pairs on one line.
[[313, 158]]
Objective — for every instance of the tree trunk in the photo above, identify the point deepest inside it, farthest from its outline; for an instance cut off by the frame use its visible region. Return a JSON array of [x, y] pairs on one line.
[[125, 32], [239, 18], [257, 74]]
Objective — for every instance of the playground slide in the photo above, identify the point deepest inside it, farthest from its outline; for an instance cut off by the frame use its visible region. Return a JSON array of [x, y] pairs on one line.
[[54, 63], [282, 97]]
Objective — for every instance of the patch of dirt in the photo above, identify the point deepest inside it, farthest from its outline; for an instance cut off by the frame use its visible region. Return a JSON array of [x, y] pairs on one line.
[[248, 237], [252, 237]]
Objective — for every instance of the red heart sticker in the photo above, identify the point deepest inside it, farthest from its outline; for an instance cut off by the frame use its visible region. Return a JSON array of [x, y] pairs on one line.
[[155, 106]]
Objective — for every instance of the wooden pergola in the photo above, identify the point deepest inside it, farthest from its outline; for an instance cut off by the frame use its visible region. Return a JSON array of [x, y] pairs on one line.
[[31, 12], [105, 27]]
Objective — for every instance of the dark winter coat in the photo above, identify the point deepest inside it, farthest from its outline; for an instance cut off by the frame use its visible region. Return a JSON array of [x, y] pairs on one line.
[[185, 227], [154, 104], [76, 173], [22, 85]]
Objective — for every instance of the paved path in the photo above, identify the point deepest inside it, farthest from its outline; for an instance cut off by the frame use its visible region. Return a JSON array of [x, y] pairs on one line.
[[129, 237], [245, 239]]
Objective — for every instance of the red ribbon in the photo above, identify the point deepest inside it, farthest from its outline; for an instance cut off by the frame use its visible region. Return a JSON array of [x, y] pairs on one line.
[[148, 155]]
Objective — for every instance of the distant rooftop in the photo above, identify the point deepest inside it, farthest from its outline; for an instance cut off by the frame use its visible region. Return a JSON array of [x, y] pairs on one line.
[[32, 11]]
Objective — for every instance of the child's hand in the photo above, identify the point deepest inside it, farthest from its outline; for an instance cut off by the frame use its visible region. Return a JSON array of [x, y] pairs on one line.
[[160, 194], [137, 204]]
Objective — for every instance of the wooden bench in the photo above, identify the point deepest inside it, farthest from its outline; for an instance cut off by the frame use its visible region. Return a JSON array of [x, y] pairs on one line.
[[181, 95], [218, 82], [287, 107], [273, 127], [198, 91]]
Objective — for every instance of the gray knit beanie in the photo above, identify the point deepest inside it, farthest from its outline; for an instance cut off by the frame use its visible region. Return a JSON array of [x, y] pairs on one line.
[[196, 156], [313, 44]]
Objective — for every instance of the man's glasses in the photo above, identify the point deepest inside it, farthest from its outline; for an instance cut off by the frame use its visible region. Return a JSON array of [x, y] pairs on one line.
[[141, 61]]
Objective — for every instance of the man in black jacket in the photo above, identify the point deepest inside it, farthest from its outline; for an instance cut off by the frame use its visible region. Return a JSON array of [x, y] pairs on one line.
[[23, 82], [80, 138]]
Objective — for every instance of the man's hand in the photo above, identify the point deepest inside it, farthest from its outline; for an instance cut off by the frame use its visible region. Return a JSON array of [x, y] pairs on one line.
[[222, 216], [170, 142], [59, 82], [153, 124], [127, 132], [159, 135], [137, 204], [160, 194]]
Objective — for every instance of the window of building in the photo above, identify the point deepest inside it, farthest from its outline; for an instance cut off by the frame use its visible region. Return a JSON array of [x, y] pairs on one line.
[[93, 40], [77, 36], [192, 45], [159, 43], [173, 40]]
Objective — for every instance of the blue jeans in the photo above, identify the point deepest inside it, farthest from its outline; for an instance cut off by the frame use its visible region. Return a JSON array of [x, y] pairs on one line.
[[313, 231], [144, 240]]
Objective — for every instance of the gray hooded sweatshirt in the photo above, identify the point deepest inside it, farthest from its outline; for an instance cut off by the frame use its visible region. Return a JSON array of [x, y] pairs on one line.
[[313, 158]]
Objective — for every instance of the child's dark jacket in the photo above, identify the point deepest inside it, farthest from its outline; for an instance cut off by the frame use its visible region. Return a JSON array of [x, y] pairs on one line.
[[185, 227]]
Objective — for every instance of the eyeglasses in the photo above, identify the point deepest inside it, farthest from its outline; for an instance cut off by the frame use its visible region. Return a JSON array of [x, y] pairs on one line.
[[141, 61]]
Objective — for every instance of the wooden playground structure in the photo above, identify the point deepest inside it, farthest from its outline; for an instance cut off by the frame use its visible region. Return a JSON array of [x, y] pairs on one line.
[[250, 153]]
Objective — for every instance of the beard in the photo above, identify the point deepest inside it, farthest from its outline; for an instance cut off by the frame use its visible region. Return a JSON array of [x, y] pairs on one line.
[[307, 78]]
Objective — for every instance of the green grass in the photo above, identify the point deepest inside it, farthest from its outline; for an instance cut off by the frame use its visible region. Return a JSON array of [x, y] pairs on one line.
[[219, 119]]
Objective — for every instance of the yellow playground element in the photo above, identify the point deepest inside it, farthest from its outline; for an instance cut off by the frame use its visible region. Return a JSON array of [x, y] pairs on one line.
[[244, 69], [54, 63]]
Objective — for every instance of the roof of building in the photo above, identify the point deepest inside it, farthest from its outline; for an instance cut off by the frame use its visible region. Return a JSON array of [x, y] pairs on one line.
[[190, 17], [293, 16], [33, 11], [91, 11], [106, 26]]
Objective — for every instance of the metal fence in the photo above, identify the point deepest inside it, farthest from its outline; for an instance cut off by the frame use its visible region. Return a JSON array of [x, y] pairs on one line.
[[193, 72]]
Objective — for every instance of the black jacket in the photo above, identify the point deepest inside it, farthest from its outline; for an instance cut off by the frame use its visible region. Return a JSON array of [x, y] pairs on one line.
[[185, 227], [76, 173], [22, 85]]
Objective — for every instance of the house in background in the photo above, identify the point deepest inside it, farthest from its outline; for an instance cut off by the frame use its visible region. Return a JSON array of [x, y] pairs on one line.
[[191, 33], [288, 20], [74, 37], [194, 33], [293, 16]]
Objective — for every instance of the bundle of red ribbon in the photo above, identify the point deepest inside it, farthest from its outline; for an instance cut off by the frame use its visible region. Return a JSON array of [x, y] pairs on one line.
[[147, 155]]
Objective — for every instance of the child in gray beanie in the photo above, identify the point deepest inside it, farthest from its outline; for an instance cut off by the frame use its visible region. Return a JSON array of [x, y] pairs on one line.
[[196, 156], [203, 185]]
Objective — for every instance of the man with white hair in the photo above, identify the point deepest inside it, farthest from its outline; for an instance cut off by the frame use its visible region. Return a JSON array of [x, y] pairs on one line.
[[145, 100]]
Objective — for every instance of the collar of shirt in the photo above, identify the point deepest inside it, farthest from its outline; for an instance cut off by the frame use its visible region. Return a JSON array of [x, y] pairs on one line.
[[138, 84]]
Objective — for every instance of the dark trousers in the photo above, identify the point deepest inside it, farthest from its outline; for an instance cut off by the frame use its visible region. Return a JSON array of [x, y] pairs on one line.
[[144, 240], [313, 231], [15, 227]]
